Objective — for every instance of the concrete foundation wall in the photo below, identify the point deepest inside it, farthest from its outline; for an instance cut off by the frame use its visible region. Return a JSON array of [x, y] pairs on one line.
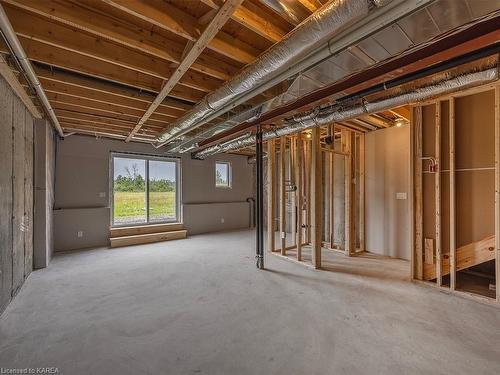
[[387, 219], [16, 194], [82, 201]]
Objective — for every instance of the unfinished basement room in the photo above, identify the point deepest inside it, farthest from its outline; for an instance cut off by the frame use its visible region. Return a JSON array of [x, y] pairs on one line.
[[236, 187]]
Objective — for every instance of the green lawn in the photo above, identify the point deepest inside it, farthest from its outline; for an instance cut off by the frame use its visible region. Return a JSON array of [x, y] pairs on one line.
[[130, 207]]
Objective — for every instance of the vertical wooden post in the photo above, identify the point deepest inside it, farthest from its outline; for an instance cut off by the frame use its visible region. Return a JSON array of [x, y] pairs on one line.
[[437, 190], [307, 184], [331, 184], [497, 191], [271, 207], [316, 198], [350, 194], [362, 192], [283, 195], [453, 244], [419, 208], [299, 194], [293, 194]]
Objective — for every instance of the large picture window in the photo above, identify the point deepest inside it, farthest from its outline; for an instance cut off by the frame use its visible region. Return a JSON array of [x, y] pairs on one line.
[[145, 190]]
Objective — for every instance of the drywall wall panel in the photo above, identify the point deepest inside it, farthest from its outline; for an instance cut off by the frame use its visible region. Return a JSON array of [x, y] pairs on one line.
[[18, 220], [82, 183], [387, 218], [213, 217], [92, 223], [6, 99]]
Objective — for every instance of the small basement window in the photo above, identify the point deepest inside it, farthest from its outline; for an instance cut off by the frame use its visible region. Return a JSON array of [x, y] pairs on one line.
[[222, 174]]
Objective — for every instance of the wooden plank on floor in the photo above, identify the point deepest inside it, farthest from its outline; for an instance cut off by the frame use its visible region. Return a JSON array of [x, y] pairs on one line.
[[6, 98], [147, 238], [466, 256], [316, 198], [144, 229], [18, 220], [271, 201], [28, 195]]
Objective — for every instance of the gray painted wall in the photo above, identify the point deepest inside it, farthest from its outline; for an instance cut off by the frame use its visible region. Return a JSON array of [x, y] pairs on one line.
[[16, 194], [387, 173], [44, 193], [82, 173]]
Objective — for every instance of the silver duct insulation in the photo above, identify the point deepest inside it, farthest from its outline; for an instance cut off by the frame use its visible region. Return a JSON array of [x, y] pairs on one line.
[[314, 31], [329, 115], [19, 53]]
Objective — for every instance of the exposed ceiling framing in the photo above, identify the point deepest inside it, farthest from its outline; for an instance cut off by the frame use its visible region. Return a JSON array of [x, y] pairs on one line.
[[129, 69]]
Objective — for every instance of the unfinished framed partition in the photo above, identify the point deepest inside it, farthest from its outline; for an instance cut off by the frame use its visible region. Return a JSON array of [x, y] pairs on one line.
[[315, 193], [456, 198]]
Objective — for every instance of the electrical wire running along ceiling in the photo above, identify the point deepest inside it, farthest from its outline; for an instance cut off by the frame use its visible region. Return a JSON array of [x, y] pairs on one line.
[[421, 27]]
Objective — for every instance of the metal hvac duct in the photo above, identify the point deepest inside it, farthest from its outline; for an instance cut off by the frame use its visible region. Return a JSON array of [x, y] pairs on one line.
[[17, 49], [319, 117], [296, 45]]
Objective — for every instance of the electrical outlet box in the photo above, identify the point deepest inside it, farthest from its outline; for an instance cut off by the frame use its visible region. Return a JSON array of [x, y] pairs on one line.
[[79, 234], [222, 220], [401, 196]]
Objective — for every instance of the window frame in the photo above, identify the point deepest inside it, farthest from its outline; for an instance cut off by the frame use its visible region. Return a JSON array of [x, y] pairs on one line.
[[229, 174], [145, 158]]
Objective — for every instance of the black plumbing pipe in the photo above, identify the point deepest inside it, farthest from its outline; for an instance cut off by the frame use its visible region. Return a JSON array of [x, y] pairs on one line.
[[251, 200], [260, 199]]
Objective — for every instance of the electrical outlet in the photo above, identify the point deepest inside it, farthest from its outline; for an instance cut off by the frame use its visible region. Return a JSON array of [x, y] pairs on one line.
[[222, 220], [79, 234], [102, 194], [402, 196]]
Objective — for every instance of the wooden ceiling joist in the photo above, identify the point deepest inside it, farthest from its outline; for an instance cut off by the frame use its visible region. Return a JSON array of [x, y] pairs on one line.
[[87, 118], [103, 134], [101, 113], [171, 18], [195, 50], [253, 18], [92, 105], [82, 64], [125, 34], [128, 95], [70, 39], [134, 106]]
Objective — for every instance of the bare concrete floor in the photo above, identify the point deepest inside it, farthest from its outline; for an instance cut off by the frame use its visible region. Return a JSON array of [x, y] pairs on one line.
[[199, 306]]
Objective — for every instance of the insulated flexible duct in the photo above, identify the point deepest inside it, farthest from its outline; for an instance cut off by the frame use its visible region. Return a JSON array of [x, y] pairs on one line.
[[314, 31], [319, 117]]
